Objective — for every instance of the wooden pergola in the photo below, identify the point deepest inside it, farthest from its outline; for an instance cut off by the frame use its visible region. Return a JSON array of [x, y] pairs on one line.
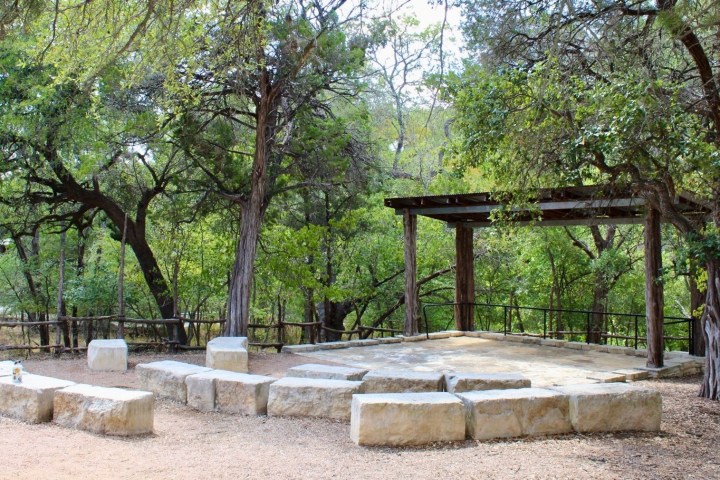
[[594, 205]]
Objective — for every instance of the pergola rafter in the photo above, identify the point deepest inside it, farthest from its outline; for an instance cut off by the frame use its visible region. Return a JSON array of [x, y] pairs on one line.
[[593, 205]]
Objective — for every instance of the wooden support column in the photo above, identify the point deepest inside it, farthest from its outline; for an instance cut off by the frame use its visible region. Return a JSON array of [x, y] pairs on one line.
[[653, 289], [412, 303], [464, 279]]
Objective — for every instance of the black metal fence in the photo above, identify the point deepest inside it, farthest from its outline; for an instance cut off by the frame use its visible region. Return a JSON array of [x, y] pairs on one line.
[[623, 329]]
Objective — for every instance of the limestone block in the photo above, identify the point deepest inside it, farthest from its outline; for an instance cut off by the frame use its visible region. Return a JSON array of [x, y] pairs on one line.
[[552, 342], [513, 413], [467, 382], [514, 338], [387, 340], [363, 342], [400, 381], [612, 407], [228, 391], [415, 338], [617, 349], [596, 348], [31, 400], [439, 335], [633, 374], [167, 378], [331, 372], [312, 397], [475, 334], [243, 393], [334, 345], [104, 410], [455, 333], [300, 348], [605, 377], [227, 353], [574, 345], [397, 419], [108, 355], [6, 367]]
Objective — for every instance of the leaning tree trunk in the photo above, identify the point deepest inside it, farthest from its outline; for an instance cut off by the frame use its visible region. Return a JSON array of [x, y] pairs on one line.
[[710, 387]]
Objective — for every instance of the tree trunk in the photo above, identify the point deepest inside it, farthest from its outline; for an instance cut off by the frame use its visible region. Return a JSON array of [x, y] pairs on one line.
[[252, 212], [697, 300], [654, 301], [710, 387], [599, 309]]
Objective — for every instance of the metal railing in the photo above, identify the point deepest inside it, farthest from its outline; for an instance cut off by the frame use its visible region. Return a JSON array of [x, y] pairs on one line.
[[623, 328]]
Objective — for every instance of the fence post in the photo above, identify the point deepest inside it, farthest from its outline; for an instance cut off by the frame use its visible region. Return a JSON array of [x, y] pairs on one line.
[[691, 338], [587, 331], [544, 324], [505, 320], [636, 331]]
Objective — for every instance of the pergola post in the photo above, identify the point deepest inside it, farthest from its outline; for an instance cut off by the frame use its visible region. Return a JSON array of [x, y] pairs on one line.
[[411, 294], [464, 279], [653, 289]]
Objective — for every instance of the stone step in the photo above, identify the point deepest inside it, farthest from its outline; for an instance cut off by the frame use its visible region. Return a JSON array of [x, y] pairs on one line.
[[103, 410], [312, 397], [229, 392], [227, 353], [330, 372], [167, 378], [612, 407], [107, 355], [31, 400], [515, 413], [466, 382], [396, 419], [403, 381]]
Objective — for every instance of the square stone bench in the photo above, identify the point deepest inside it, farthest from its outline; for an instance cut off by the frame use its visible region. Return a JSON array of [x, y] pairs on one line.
[[312, 397], [613, 407], [107, 355], [31, 400], [330, 372], [403, 381], [167, 378], [104, 410], [467, 382], [6, 367], [396, 419], [230, 392], [514, 413], [227, 353]]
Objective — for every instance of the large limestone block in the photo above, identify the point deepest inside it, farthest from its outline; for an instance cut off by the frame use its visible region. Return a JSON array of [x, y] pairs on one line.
[[406, 418], [227, 353], [228, 391], [402, 381], [6, 367], [467, 382], [513, 413], [243, 393], [612, 407], [331, 372], [31, 400], [108, 355], [104, 410], [167, 378], [312, 397]]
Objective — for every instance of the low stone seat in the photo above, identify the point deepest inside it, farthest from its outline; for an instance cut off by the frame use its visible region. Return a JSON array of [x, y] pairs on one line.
[[396, 419], [31, 400], [6, 367], [230, 392], [467, 382], [514, 413], [312, 397], [330, 372], [167, 378], [104, 410], [613, 407], [402, 381], [107, 355], [227, 353]]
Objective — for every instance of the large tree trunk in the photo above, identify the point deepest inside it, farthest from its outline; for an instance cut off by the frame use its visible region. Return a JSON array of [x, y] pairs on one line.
[[697, 300], [599, 309], [252, 212], [710, 387]]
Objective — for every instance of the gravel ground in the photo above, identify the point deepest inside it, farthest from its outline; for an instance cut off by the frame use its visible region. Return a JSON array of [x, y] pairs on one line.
[[193, 445]]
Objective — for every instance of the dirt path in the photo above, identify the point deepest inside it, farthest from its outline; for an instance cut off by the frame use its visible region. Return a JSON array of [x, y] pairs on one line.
[[193, 445]]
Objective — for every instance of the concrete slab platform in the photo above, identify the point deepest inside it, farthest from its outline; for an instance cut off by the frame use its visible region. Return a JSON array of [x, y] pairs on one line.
[[544, 365]]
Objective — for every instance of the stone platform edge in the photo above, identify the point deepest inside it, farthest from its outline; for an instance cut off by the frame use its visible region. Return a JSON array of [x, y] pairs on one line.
[[677, 364]]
